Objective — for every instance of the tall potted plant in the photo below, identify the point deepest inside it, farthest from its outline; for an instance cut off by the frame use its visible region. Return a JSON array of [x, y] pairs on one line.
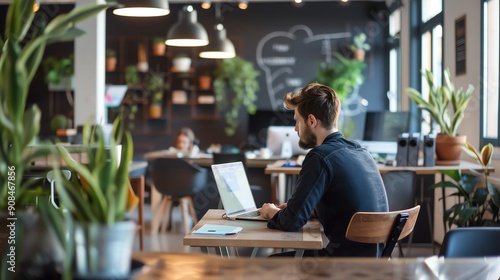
[[21, 53], [446, 106], [97, 196], [155, 86], [235, 86]]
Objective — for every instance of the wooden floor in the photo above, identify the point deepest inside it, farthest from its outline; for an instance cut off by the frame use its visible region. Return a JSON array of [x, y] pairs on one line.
[[172, 241]]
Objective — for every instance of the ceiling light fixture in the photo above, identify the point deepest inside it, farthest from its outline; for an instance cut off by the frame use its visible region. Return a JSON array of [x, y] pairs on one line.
[[142, 8], [187, 32], [243, 5], [219, 47], [205, 5]]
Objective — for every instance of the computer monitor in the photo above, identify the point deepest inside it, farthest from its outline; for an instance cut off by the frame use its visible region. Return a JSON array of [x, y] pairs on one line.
[[382, 130], [283, 141], [259, 122], [114, 95]]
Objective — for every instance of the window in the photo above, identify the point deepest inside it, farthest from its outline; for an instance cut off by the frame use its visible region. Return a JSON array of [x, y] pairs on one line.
[[394, 93], [430, 34], [491, 73]]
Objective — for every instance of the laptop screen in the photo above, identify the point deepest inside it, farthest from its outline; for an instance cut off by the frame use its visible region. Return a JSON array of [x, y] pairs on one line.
[[233, 187]]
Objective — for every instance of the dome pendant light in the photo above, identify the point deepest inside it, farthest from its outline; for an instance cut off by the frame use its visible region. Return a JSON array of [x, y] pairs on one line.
[[220, 47], [142, 8], [187, 32]]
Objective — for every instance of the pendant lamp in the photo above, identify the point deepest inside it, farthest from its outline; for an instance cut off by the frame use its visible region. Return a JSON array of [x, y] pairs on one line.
[[187, 32], [219, 47], [142, 8]]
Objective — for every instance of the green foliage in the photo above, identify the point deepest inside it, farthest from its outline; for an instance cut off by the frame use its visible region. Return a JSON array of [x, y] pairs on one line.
[[58, 122], [131, 75], [110, 53], [344, 77], [158, 40], [155, 86], [359, 42], [478, 201], [97, 190], [56, 69], [440, 99], [20, 57], [235, 85]]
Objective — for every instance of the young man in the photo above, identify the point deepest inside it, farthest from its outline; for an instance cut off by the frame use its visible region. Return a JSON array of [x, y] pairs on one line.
[[337, 179]]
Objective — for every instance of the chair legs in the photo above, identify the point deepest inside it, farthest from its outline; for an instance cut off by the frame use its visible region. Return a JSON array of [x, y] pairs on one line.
[[161, 215]]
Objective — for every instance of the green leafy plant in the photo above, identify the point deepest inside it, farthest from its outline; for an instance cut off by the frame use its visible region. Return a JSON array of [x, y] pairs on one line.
[[57, 69], [155, 86], [441, 98], [359, 42], [110, 53], [97, 191], [478, 201], [235, 85], [58, 122], [158, 40], [344, 77], [21, 54]]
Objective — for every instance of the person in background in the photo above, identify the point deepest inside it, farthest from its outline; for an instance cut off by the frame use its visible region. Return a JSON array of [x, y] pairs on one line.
[[337, 179], [185, 142]]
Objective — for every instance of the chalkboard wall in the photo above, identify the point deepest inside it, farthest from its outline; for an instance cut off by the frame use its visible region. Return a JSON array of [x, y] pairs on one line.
[[286, 43]]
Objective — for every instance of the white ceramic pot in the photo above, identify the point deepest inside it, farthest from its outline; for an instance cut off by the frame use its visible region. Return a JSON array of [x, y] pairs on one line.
[[182, 64]]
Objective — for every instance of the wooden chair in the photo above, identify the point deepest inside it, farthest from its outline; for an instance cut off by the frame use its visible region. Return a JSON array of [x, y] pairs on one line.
[[137, 185], [382, 227]]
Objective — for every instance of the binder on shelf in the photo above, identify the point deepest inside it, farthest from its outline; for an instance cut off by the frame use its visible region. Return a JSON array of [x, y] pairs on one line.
[[413, 148], [429, 149], [402, 150]]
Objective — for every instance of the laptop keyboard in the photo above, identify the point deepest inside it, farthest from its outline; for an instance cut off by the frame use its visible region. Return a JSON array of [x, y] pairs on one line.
[[252, 214]]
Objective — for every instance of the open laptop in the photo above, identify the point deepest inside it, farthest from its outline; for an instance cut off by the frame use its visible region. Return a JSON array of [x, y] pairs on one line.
[[235, 192]]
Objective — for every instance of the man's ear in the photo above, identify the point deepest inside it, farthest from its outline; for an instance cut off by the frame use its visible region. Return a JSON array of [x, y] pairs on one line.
[[311, 120]]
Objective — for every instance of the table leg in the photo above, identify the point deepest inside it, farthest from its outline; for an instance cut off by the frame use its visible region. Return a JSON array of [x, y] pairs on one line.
[[222, 251], [299, 253]]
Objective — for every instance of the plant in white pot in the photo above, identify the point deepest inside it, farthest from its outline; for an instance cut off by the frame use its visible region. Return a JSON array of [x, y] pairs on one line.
[[446, 106], [21, 52], [98, 197]]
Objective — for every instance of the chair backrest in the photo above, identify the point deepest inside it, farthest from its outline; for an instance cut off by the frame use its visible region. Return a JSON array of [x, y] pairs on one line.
[[471, 242], [382, 227], [400, 186], [177, 177]]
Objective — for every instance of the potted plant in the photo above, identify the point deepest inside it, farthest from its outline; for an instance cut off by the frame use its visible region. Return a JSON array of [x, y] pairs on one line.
[[132, 80], [344, 77], [477, 200], [154, 85], [181, 63], [21, 53], [59, 72], [158, 46], [96, 196], [110, 60], [60, 125], [359, 46], [205, 80], [446, 106], [235, 86]]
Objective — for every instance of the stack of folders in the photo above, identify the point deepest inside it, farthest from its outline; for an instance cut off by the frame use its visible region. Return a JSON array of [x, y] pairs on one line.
[[208, 229]]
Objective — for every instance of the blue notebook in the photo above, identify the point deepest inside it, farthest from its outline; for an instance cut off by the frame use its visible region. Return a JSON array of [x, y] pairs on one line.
[[208, 229]]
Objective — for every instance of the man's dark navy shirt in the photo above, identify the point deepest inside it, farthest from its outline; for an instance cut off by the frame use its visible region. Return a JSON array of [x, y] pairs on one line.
[[337, 179]]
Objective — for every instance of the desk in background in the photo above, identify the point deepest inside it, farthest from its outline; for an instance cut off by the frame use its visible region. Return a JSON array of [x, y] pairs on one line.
[[255, 234]]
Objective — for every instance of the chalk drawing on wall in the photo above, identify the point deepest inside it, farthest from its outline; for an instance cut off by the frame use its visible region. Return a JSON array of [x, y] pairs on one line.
[[282, 55]]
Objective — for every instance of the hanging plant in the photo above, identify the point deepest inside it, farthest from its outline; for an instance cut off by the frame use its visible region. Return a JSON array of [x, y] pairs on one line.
[[235, 85]]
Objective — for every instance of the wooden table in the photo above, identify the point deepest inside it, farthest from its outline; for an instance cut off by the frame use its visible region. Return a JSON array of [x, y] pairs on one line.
[[255, 234], [198, 266]]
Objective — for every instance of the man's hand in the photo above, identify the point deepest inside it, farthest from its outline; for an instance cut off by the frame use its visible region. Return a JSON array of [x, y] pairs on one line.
[[268, 210]]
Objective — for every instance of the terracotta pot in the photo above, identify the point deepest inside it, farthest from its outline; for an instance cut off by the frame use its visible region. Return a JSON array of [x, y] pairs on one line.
[[155, 111], [158, 49], [359, 55], [205, 82], [449, 148], [110, 64]]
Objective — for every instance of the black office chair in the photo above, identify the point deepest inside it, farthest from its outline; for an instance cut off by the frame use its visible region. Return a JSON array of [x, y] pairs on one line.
[[401, 188], [471, 242], [177, 180]]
